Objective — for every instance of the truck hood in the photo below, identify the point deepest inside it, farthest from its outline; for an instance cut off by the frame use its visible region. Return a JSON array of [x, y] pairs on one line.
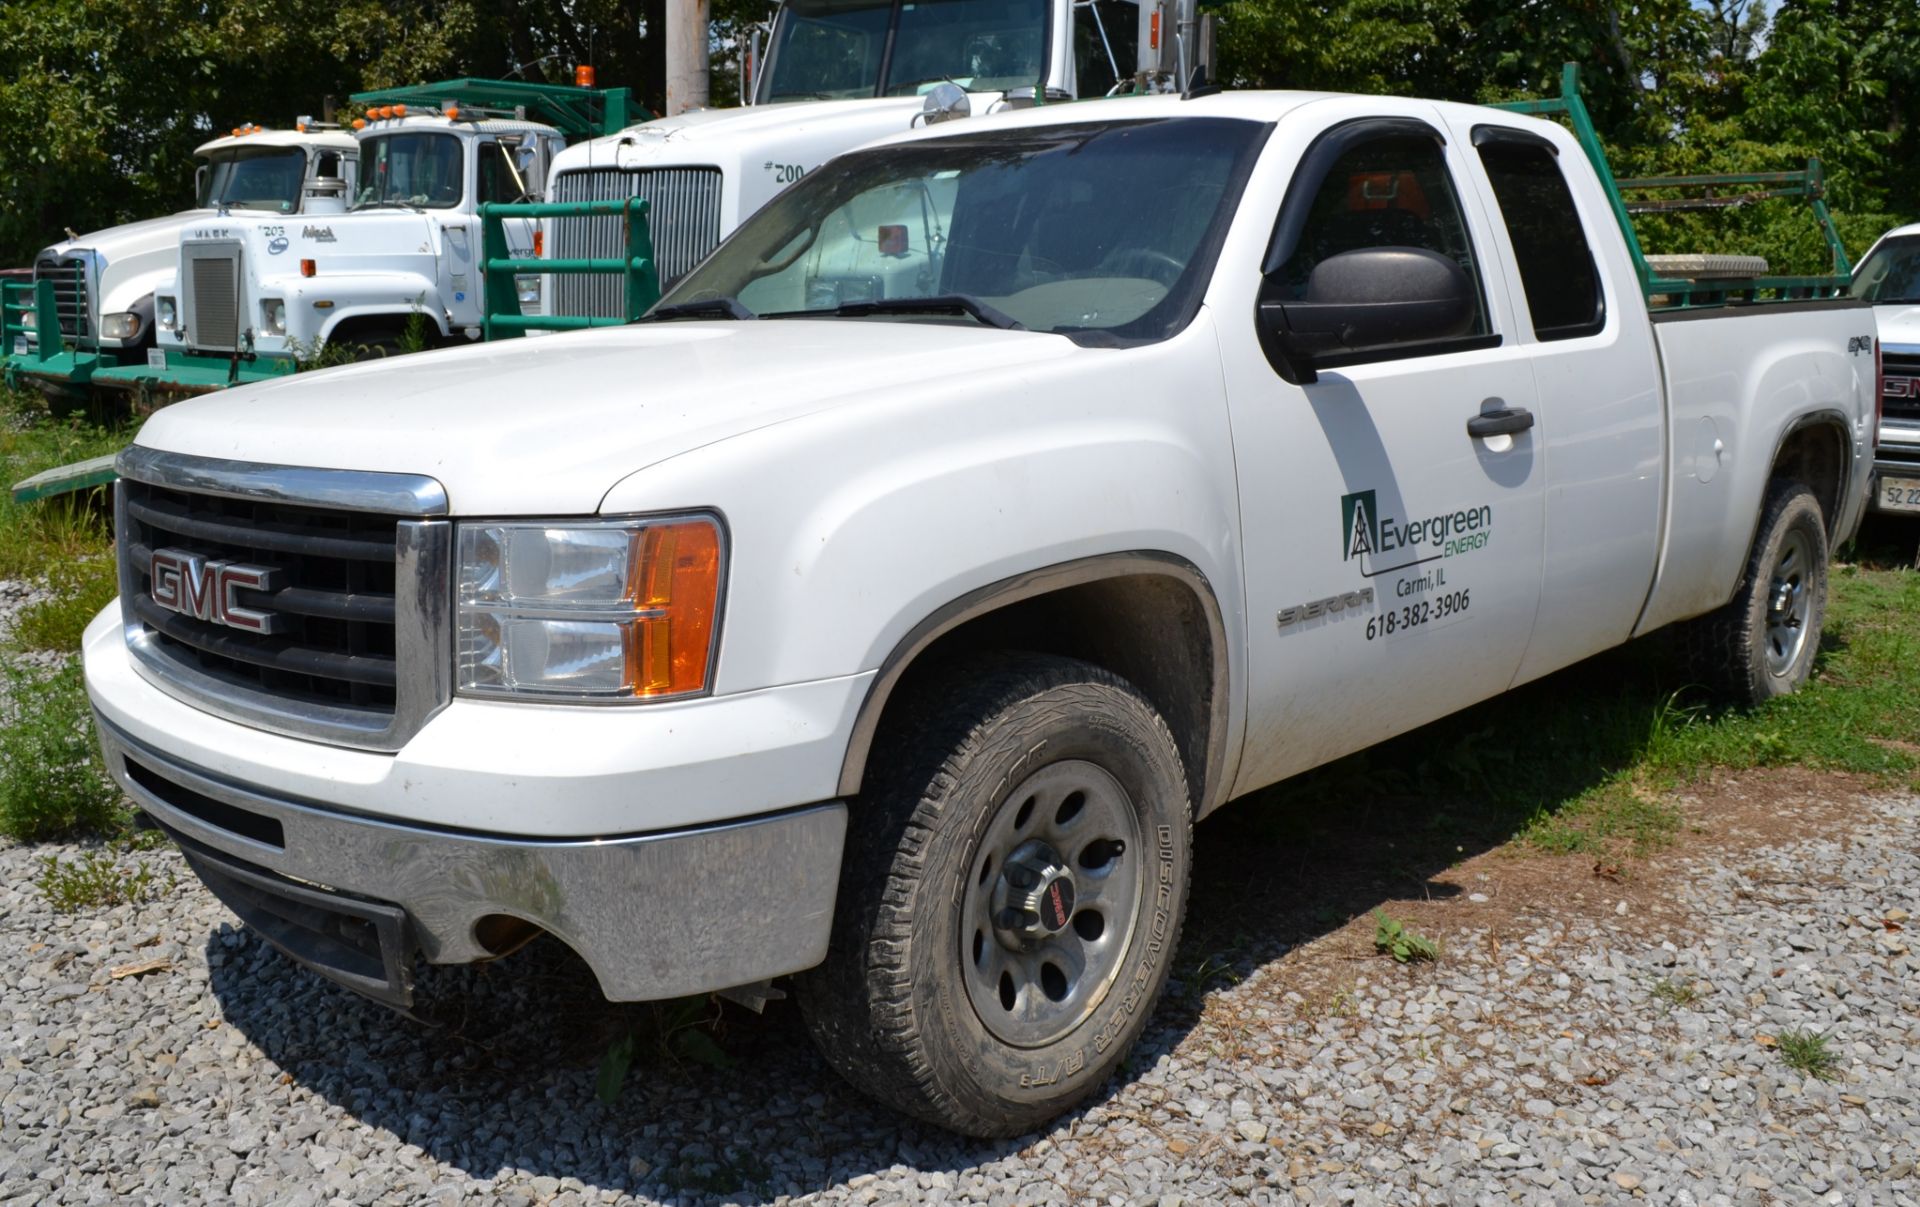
[[1898, 324], [548, 425], [117, 241], [716, 131]]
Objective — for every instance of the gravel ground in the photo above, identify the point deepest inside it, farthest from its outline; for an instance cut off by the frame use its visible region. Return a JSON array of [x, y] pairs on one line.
[[1615, 1051]]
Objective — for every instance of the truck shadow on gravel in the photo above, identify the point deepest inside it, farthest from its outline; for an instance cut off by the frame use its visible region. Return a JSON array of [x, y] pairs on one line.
[[504, 1077]]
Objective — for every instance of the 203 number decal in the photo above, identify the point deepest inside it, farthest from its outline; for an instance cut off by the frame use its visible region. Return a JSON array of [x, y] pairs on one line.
[[1413, 615]]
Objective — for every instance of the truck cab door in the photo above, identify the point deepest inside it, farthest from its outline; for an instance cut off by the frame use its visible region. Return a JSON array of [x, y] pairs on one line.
[[1391, 497]]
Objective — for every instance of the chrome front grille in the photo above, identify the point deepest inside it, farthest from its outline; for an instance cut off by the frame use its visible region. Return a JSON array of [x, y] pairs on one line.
[[69, 277], [212, 296], [683, 218], [355, 649], [1900, 373]]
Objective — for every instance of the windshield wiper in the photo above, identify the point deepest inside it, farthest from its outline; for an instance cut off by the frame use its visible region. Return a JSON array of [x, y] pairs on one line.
[[945, 303], [704, 308]]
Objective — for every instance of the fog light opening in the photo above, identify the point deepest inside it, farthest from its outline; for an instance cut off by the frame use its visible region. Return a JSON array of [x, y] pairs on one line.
[[503, 934]]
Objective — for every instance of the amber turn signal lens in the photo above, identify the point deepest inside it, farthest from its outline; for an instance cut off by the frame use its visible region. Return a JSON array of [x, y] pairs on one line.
[[539, 244], [308, 268], [677, 589]]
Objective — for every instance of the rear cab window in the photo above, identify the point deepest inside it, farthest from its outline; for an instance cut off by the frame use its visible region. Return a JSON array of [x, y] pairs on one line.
[[1558, 275]]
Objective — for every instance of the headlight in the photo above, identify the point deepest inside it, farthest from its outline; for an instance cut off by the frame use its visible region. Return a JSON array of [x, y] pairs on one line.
[[120, 326], [164, 313], [273, 316], [607, 611], [29, 320], [528, 288]]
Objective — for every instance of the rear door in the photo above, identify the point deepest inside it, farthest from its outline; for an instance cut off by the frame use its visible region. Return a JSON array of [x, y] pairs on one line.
[[1584, 326], [1392, 558]]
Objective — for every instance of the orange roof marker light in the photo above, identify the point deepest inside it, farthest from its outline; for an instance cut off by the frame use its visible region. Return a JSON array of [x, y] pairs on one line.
[[359, 123], [451, 111], [583, 76], [398, 110]]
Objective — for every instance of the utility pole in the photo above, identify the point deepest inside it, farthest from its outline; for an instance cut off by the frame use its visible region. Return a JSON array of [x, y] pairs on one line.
[[686, 55]]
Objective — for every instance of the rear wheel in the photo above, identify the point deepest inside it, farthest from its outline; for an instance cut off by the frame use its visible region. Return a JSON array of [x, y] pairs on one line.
[[1010, 899], [1762, 642]]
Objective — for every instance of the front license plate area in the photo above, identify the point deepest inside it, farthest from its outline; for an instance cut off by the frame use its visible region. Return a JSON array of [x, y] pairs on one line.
[[1897, 494]]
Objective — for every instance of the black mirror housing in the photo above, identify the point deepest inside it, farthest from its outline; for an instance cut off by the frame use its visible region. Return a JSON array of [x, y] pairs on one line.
[[1367, 301]]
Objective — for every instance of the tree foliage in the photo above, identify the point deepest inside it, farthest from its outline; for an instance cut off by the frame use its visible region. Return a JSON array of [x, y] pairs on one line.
[[103, 101]]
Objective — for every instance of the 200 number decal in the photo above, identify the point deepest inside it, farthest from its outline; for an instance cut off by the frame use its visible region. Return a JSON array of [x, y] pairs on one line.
[[1413, 615]]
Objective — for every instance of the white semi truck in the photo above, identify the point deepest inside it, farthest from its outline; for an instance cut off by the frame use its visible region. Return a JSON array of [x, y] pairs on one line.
[[103, 282], [995, 504], [1889, 279], [840, 73]]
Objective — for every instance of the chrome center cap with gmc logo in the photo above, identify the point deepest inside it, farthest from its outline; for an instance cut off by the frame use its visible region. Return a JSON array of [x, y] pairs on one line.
[[209, 590]]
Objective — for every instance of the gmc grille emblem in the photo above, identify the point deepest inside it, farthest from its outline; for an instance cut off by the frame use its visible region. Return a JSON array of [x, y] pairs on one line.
[[210, 590], [1903, 387]]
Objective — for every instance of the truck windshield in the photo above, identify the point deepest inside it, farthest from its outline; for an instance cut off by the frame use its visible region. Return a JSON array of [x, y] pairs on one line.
[[420, 168], [256, 178], [833, 49], [1891, 273], [1103, 232]]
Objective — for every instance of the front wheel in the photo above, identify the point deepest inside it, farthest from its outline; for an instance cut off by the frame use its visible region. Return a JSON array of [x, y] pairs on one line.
[[1762, 642], [1010, 899]]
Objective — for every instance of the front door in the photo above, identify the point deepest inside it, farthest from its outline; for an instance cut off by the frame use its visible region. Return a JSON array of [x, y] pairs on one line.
[[1393, 558]]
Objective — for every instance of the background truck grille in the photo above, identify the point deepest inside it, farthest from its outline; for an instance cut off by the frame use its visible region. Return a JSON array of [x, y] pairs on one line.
[[1904, 406], [684, 218], [212, 302], [336, 597], [69, 277]]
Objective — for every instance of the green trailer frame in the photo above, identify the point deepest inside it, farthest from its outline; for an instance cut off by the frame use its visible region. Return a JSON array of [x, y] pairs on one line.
[[1674, 293], [575, 112], [502, 298]]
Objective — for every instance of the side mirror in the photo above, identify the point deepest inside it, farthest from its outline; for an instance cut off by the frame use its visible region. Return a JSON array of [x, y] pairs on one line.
[[1363, 300], [946, 101], [200, 185]]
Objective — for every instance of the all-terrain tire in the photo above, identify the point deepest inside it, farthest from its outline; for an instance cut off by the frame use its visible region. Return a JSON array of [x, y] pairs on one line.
[[1754, 648], [893, 1008]]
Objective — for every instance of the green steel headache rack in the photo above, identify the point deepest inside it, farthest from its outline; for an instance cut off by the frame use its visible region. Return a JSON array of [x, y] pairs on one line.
[[1708, 280], [504, 318], [574, 111]]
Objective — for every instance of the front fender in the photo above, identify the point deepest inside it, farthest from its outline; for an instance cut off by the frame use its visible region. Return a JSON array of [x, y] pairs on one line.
[[317, 306], [852, 527]]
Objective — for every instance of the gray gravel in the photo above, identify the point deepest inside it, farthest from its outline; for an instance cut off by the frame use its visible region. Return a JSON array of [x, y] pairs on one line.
[[1546, 1063]]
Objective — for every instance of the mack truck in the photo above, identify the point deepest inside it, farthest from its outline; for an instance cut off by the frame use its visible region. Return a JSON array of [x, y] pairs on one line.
[[839, 73], [250, 294], [1889, 279], [875, 620], [100, 286]]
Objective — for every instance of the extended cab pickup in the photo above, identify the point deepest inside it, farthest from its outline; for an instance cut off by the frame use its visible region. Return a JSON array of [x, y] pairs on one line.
[[996, 503], [1889, 280]]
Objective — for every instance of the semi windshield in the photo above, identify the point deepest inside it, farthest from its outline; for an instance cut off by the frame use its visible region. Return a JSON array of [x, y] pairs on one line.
[[1104, 232], [833, 49], [1891, 273], [263, 178], [418, 168]]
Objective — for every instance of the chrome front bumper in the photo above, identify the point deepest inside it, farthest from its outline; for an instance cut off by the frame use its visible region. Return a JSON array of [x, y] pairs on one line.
[[654, 915]]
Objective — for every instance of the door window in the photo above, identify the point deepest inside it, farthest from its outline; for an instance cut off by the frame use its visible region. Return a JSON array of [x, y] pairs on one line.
[[1557, 271], [500, 178], [1389, 191]]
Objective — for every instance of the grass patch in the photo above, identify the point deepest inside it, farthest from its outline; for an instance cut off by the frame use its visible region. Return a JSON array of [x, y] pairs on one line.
[[99, 880], [1807, 1052], [80, 588], [36, 537], [52, 783], [1583, 761]]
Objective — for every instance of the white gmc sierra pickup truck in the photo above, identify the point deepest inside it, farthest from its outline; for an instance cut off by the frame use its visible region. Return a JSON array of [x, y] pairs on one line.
[[1888, 279], [996, 503]]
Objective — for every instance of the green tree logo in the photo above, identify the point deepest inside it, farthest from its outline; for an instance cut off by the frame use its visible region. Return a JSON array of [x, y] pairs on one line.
[[1359, 524]]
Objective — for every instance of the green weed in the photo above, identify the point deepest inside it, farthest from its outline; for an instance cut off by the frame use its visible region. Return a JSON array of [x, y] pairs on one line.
[[52, 783], [1807, 1052], [1675, 993], [1392, 937], [682, 1031], [98, 880]]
